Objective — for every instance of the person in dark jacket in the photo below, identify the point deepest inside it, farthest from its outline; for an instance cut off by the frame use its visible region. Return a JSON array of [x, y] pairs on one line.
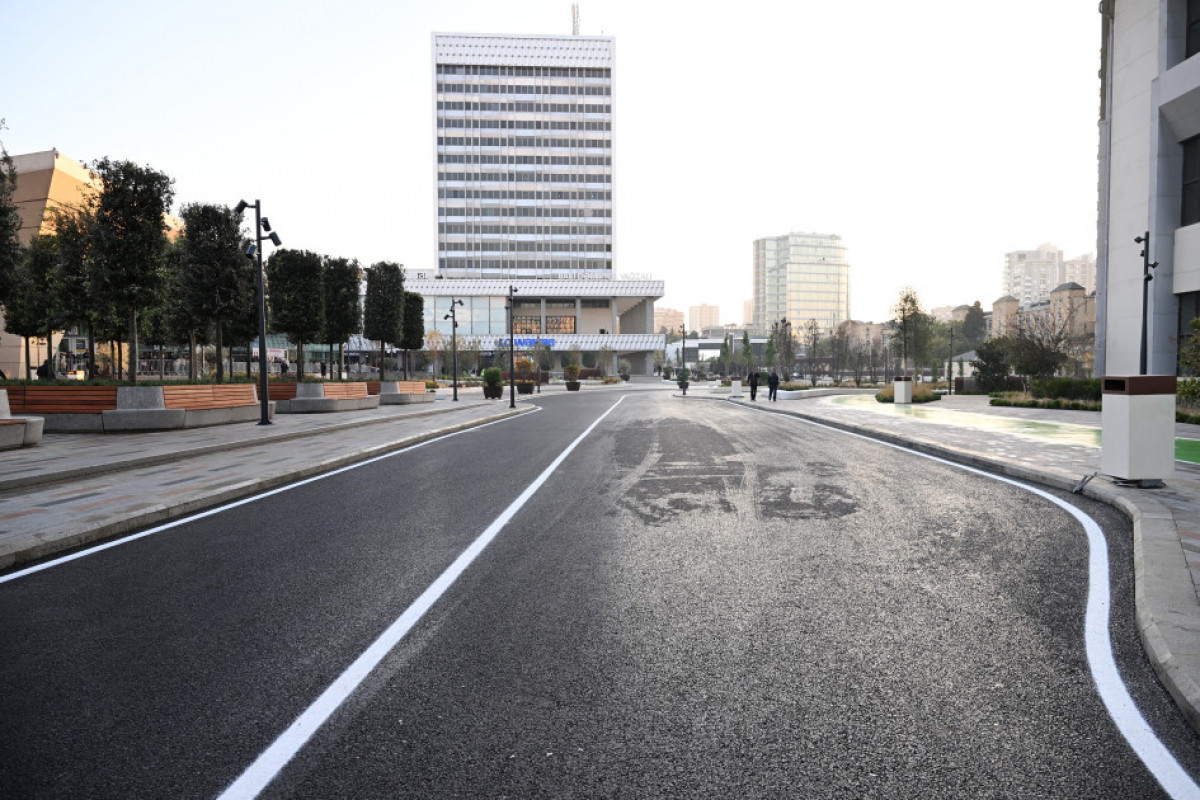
[[772, 385], [753, 384]]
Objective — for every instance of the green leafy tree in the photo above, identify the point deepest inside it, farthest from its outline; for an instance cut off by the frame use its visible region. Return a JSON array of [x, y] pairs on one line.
[[912, 328], [343, 305], [29, 311], [220, 281], [10, 225], [974, 327], [412, 327], [383, 312], [991, 365], [297, 298], [130, 241], [75, 302]]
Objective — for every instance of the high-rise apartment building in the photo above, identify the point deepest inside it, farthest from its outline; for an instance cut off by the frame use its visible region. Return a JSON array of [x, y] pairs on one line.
[[1031, 275], [669, 318], [801, 276], [703, 316], [524, 131]]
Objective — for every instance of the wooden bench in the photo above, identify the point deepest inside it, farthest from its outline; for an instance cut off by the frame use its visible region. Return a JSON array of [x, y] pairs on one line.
[[195, 398], [61, 399], [343, 391], [281, 390]]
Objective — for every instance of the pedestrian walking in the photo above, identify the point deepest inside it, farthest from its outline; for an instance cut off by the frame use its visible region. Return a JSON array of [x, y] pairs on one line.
[[753, 384], [322, 370], [772, 385]]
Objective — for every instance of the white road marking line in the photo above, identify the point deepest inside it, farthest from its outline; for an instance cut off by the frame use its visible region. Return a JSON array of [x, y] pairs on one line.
[[1112, 690], [264, 769], [12, 576]]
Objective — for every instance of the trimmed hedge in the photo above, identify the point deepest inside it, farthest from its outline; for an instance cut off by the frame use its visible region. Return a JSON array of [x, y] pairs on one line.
[[1067, 389]]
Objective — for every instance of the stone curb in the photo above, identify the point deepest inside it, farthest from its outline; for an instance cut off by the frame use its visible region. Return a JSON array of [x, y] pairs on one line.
[[39, 544], [91, 470], [1166, 606]]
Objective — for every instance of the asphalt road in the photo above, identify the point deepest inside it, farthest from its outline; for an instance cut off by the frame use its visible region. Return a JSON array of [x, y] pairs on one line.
[[701, 601]]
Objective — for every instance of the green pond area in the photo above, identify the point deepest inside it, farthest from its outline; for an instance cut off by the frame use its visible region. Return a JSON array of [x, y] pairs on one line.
[[1185, 449]]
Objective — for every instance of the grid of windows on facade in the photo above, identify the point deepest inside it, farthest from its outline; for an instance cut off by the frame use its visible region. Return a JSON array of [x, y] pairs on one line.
[[529, 143], [1190, 211]]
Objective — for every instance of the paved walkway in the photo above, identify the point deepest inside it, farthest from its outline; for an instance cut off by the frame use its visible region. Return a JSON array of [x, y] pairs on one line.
[[76, 488]]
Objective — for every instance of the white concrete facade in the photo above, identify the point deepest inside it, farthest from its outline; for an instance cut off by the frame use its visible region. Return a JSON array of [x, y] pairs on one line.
[[1150, 107], [523, 130]]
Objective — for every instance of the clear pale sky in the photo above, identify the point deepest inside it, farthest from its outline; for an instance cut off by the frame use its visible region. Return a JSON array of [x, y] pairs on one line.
[[934, 135]]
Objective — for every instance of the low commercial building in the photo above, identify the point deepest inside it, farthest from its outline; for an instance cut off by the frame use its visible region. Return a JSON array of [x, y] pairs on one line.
[[595, 316]]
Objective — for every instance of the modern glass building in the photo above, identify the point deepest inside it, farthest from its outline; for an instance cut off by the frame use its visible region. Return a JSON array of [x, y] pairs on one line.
[[524, 132], [801, 276]]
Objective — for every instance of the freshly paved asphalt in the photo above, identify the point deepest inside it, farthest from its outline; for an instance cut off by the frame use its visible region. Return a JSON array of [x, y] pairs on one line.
[[747, 608]]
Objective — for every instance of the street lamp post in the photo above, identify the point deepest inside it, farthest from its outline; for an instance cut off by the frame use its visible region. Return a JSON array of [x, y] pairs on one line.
[[454, 342], [1144, 241], [950, 363], [512, 354], [261, 226]]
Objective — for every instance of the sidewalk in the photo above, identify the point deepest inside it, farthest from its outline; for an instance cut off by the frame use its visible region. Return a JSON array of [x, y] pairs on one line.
[[1166, 522]]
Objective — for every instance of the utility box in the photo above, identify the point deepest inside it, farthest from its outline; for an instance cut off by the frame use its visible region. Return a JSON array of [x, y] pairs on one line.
[[735, 388], [1137, 424], [903, 389]]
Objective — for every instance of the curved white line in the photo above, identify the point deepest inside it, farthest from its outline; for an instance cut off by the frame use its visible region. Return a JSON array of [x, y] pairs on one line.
[[12, 576], [1098, 644], [264, 769]]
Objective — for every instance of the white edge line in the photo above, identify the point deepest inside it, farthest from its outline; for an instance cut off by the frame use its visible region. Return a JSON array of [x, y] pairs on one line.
[[1112, 690], [259, 775], [12, 576]]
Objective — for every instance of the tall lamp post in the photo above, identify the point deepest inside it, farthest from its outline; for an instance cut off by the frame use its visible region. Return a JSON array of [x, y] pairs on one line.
[[454, 341], [261, 226], [1144, 241], [950, 363], [512, 354]]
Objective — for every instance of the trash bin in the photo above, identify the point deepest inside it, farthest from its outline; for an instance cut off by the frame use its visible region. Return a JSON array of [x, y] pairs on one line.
[[735, 388], [903, 389], [1137, 424]]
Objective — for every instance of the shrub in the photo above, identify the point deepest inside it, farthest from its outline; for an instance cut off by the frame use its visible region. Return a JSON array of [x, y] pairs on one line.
[[492, 376], [571, 372], [1067, 389]]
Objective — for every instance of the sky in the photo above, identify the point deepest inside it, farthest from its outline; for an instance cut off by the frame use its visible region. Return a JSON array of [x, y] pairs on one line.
[[933, 136]]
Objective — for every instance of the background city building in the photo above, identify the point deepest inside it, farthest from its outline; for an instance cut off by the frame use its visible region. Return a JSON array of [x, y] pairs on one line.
[[524, 138], [1030, 275], [703, 316], [801, 276], [1149, 180], [667, 318]]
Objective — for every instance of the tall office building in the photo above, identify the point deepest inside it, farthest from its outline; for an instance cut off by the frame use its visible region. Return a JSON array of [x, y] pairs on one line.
[[524, 131], [801, 276]]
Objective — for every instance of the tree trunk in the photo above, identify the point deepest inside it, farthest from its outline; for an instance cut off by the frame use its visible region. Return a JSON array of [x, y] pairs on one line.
[[162, 364], [299, 362], [133, 348], [91, 372], [50, 354], [192, 356], [28, 371], [220, 354]]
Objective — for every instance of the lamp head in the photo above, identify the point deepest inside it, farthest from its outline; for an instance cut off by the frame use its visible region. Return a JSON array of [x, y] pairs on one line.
[[241, 206], [266, 224], [275, 240], [251, 249]]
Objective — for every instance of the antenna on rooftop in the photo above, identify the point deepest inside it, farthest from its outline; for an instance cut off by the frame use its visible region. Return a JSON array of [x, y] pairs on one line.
[[574, 19]]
